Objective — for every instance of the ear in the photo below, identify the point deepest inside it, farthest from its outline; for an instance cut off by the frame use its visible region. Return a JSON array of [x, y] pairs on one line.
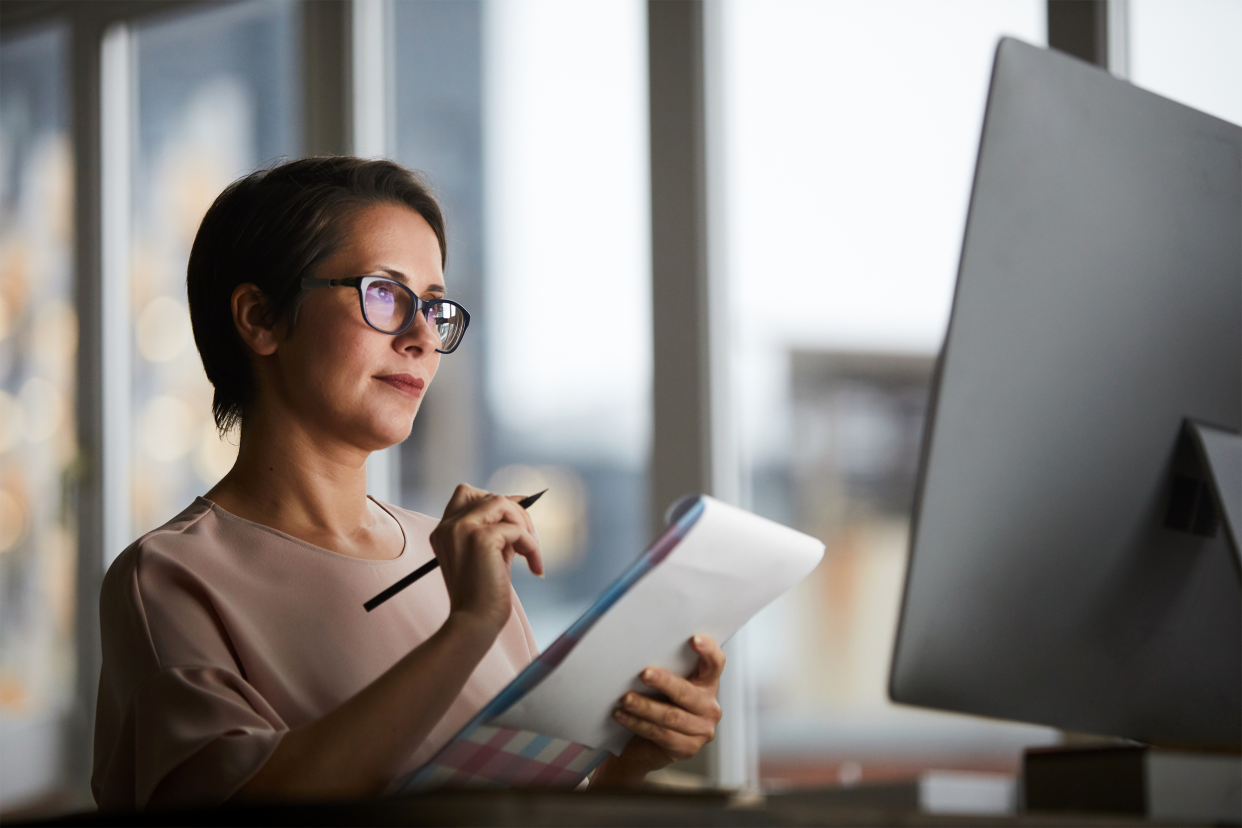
[[249, 305]]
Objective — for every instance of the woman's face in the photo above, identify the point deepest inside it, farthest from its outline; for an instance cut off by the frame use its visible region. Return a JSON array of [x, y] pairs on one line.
[[341, 377]]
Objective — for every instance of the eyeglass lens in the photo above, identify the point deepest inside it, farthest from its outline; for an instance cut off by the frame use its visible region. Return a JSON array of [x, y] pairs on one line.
[[390, 308], [446, 320]]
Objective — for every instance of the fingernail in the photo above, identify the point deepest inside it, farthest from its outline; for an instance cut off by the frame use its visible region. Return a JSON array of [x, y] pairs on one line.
[[619, 715], [698, 641], [630, 700], [647, 674]]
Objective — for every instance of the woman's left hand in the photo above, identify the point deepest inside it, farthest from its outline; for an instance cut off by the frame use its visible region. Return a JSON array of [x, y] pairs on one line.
[[667, 731]]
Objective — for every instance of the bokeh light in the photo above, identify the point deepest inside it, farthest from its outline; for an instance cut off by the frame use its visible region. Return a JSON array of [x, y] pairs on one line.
[[59, 554], [14, 273], [12, 520], [167, 428], [215, 455], [54, 340], [10, 421], [12, 693], [43, 409], [163, 329]]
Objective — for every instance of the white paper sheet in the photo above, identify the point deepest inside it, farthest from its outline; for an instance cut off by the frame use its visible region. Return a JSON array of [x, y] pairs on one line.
[[728, 566]]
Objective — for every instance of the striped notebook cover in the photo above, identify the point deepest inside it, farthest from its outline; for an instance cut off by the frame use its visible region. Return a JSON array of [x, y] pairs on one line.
[[485, 756]]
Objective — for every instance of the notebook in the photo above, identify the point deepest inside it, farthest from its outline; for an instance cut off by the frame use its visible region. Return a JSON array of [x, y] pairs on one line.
[[709, 573]]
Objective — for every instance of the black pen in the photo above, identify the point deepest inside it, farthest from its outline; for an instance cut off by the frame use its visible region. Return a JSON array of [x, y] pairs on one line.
[[525, 503]]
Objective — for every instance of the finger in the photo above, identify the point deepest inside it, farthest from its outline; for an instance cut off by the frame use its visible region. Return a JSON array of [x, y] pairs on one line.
[[532, 553], [499, 537], [511, 539], [513, 513], [488, 510], [530, 524], [478, 539], [494, 508], [462, 497], [482, 511], [711, 659], [668, 716], [696, 698], [678, 746]]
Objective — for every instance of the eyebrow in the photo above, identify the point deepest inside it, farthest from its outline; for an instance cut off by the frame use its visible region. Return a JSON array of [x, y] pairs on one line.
[[401, 277]]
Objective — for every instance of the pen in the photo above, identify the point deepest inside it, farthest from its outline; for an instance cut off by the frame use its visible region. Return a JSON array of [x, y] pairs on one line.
[[525, 503]]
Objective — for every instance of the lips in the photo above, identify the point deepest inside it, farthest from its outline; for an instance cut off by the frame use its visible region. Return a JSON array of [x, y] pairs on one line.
[[407, 384]]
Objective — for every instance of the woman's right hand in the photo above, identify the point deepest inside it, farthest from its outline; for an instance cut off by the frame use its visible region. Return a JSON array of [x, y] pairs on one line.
[[360, 747], [475, 543]]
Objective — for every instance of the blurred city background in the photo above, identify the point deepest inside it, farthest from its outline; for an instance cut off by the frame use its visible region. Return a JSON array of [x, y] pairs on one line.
[[845, 139]]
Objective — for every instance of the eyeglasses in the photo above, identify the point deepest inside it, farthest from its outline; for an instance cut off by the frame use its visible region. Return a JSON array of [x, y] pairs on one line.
[[390, 307]]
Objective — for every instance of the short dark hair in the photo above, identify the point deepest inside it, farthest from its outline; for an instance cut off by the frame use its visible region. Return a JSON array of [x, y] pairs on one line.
[[271, 229]]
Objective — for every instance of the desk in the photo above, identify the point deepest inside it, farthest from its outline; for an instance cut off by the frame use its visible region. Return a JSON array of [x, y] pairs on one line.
[[557, 808]]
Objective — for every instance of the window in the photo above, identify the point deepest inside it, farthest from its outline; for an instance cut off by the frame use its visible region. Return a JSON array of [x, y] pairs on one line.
[[216, 98], [850, 133], [1189, 51], [530, 118]]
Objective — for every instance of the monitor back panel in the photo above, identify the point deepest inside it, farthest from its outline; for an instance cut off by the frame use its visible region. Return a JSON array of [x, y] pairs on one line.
[[1098, 304]]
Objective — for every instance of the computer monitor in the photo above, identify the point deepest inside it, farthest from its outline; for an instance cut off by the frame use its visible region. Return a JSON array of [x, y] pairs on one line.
[[1070, 564]]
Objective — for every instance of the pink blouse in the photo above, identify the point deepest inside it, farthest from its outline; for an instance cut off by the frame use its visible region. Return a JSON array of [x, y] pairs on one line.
[[220, 635]]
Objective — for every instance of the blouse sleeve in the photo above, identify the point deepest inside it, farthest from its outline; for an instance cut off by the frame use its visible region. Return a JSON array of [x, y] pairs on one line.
[[176, 723]]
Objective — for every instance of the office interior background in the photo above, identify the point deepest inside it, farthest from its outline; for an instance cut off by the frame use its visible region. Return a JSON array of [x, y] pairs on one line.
[[834, 148]]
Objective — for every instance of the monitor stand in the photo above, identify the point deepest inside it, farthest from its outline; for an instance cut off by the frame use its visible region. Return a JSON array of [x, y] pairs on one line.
[[1135, 780], [1143, 780], [1220, 457]]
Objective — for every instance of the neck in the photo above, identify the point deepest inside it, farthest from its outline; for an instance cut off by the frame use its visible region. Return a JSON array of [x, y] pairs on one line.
[[294, 480]]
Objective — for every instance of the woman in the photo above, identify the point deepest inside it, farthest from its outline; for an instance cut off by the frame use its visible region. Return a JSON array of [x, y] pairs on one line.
[[238, 661]]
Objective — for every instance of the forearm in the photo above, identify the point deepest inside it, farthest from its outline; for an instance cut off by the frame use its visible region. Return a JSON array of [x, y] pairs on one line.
[[357, 749]]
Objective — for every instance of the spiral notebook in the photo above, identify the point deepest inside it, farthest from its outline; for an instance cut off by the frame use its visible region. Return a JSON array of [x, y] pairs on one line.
[[709, 573]]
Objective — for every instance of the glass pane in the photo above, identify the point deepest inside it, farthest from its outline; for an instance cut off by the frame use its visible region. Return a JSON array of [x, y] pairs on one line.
[[38, 351], [531, 119], [1190, 51], [215, 100], [851, 134]]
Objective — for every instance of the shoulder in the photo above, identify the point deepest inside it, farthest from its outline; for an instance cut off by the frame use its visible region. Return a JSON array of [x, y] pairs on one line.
[[191, 537], [185, 533], [160, 592]]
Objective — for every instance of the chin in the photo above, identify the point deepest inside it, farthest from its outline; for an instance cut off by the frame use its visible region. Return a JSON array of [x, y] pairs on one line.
[[378, 422], [390, 431]]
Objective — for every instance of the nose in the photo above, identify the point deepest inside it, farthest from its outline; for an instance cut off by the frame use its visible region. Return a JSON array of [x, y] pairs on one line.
[[420, 336]]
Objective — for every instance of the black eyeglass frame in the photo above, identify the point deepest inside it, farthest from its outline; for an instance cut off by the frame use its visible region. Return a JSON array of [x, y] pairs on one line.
[[421, 306]]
